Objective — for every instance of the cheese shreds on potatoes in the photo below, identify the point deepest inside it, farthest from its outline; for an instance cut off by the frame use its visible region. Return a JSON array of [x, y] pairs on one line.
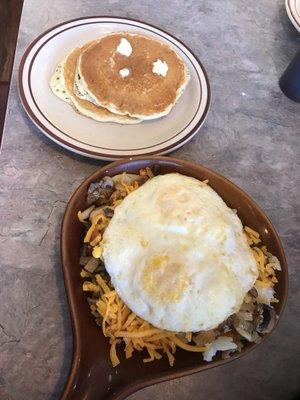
[[119, 321], [120, 324]]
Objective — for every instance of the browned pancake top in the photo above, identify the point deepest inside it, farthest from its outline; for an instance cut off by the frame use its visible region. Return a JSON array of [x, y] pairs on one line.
[[140, 93], [69, 74]]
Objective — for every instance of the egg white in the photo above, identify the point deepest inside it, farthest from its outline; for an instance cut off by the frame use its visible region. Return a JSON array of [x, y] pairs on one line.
[[177, 255]]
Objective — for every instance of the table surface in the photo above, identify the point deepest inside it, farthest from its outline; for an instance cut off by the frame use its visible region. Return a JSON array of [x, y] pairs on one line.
[[250, 136]]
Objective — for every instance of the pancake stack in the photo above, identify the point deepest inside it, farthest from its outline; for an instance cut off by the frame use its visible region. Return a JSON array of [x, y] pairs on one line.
[[122, 77]]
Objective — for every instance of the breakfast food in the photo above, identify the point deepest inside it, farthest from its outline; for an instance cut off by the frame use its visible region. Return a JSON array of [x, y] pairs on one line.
[[122, 77], [169, 265], [62, 85], [143, 78], [182, 262]]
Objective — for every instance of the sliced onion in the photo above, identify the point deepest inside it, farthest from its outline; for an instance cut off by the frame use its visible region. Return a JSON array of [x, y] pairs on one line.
[[82, 216], [128, 179]]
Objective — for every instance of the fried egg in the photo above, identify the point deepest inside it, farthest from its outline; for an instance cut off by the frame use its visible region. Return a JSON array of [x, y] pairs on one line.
[[177, 254]]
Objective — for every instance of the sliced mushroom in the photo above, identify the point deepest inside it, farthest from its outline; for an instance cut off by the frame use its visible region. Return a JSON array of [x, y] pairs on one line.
[[265, 318], [93, 193], [104, 196], [248, 307], [92, 264], [84, 260], [204, 337], [107, 183], [253, 292], [238, 341], [99, 192], [255, 337], [101, 267], [243, 327], [246, 335], [245, 315], [86, 250], [108, 212], [226, 326]]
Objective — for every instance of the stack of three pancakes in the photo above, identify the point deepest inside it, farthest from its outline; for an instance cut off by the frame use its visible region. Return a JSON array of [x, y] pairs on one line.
[[122, 77]]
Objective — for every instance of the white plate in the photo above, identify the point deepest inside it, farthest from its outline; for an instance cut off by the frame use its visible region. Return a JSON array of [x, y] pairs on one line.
[[107, 141], [293, 10]]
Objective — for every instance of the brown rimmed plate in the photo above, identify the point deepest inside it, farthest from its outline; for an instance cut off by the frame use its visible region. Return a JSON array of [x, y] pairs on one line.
[[103, 140], [91, 375]]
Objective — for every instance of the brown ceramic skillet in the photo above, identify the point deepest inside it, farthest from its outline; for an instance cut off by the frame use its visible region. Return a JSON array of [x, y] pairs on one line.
[[91, 375]]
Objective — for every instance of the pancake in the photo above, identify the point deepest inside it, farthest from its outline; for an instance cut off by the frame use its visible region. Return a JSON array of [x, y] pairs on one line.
[[57, 84], [84, 106], [144, 83], [62, 85], [177, 254]]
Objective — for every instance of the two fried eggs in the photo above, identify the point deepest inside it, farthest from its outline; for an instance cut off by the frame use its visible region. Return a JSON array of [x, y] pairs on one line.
[[177, 254]]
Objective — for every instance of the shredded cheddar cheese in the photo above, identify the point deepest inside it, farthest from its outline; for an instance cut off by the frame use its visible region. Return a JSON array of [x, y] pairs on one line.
[[266, 266], [99, 222], [121, 325]]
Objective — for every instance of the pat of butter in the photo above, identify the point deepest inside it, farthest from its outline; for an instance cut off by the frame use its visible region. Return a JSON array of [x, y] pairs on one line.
[[124, 48], [160, 67], [124, 72]]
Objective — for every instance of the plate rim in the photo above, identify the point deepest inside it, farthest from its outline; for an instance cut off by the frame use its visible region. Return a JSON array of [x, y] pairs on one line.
[[291, 15], [110, 156], [133, 387]]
